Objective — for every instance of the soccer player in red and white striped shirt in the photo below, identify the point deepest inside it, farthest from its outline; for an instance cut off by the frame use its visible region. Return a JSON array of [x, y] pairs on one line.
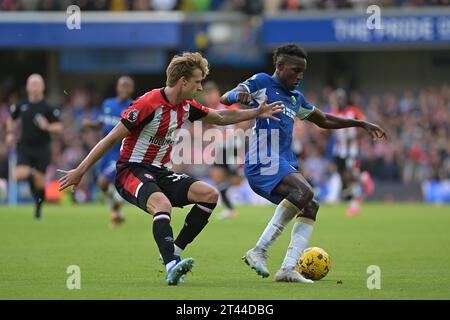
[[143, 177], [346, 152]]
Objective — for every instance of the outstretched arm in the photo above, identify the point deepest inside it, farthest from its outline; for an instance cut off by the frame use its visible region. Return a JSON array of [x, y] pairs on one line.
[[73, 177], [225, 117], [329, 121]]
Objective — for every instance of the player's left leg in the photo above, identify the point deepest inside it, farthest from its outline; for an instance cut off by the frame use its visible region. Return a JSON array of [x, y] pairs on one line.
[[205, 198], [292, 193], [105, 181], [355, 187], [300, 235], [41, 161], [299, 197], [219, 175], [38, 181], [139, 186]]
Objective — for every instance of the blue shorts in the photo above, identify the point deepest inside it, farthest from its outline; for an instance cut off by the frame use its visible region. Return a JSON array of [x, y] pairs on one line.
[[263, 184], [107, 166]]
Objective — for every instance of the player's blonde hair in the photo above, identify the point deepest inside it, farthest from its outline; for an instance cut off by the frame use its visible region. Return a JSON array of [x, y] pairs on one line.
[[184, 66]]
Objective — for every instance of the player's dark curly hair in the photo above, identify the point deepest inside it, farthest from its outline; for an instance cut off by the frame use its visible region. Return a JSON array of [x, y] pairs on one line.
[[290, 49]]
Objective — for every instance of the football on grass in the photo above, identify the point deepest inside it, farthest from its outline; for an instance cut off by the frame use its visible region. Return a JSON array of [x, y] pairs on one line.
[[314, 264]]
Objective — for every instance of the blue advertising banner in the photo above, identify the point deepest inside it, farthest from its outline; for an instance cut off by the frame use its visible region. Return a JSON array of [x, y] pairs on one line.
[[95, 35], [342, 31], [113, 61]]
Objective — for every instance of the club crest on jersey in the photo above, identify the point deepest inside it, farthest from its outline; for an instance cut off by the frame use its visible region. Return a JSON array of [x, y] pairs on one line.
[[132, 115], [293, 100]]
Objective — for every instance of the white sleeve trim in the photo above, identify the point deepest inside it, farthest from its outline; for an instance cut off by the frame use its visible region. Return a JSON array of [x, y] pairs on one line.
[[245, 86], [304, 113]]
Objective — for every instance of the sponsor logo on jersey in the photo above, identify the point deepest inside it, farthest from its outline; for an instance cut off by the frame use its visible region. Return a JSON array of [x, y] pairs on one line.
[[160, 141], [289, 112]]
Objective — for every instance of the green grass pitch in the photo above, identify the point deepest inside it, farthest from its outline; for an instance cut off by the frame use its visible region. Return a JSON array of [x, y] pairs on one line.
[[409, 242]]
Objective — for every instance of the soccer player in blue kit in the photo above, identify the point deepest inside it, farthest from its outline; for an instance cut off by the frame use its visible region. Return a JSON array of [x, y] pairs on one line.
[[273, 174], [110, 115]]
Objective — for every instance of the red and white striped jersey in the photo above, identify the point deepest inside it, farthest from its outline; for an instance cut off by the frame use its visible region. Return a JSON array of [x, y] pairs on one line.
[[346, 140], [152, 120]]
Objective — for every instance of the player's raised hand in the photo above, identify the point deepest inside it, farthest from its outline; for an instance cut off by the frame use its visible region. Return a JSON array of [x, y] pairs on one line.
[[266, 111], [375, 131], [70, 178]]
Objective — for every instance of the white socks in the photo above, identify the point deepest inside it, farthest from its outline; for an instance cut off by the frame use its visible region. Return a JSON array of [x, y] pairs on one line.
[[170, 264], [177, 250], [301, 233], [284, 213]]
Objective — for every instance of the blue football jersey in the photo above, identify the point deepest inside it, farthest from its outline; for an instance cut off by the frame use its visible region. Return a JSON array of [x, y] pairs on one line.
[[274, 138], [111, 113]]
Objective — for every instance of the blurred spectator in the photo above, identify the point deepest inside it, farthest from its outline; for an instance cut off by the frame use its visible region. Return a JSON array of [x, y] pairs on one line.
[[164, 5], [119, 5], [48, 5], [11, 5], [252, 7], [140, 5]]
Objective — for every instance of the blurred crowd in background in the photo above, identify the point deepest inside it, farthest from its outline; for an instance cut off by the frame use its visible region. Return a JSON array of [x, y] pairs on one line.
[[247, 6], [418, 150]]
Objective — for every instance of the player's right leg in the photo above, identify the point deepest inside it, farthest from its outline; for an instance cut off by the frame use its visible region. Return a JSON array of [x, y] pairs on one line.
[[138, 186]]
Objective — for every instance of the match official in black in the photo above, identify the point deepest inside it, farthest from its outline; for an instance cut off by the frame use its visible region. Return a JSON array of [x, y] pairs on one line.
[[38, 121]]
